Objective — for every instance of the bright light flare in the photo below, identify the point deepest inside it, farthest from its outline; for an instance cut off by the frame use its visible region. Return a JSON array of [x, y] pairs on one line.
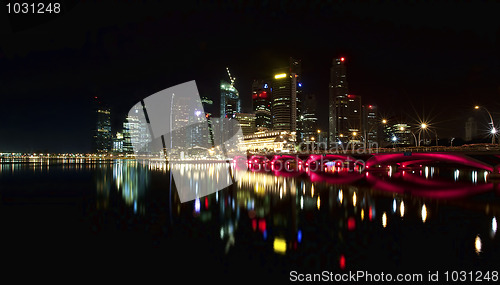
[[478, 244], [424, 213], [384, 220], [494, 225], [281, 75]]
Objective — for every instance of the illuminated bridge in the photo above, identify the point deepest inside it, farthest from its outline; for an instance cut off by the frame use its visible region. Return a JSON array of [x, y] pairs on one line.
[[371, 162]]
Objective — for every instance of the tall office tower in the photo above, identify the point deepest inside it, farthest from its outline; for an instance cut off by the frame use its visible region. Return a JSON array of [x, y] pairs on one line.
[[102, 138], [296, 67], [470, 129], [284, 99], [247, 122], [308, 118], [135, 133], [229, 105], [371, 124], [229, 100], [338, 90], [348, 112], [261, 101]]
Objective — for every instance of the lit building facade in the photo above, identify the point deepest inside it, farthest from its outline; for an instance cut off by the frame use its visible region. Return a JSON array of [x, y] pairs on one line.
[[285, 109], [229, 100], [261, 101], [308, 118], [118, 143], [135, 133], [247, 122], [399, 134], [338, 91], [273, 141], [102, 138], [371, 124], [348, 118]]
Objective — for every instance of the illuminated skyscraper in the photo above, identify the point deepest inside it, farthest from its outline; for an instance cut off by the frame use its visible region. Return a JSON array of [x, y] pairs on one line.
[[345, 111], [261, 101], [371, 124], [229, 100], [136, 133], [308, 118], [284, 100], [338, 90], [102, 138]]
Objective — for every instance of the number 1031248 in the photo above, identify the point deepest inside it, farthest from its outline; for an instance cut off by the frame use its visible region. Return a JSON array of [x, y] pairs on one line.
[[33, 8], [471, 276]]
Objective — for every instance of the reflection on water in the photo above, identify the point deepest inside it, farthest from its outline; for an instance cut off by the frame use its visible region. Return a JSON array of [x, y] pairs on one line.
[[325, 220], [130, 179]]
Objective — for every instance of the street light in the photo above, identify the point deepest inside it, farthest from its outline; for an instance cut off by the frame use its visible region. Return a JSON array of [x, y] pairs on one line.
[[423, 126], [394, 139], [493, 130]]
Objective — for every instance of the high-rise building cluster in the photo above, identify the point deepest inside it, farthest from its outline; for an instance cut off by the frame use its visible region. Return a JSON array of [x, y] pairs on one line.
[[283, 114]]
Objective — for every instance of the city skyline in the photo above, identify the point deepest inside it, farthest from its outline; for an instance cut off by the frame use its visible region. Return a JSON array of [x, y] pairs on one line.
[[438, 69]]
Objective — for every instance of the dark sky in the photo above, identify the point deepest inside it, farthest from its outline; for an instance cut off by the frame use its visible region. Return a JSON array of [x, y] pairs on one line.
[[411, 59]]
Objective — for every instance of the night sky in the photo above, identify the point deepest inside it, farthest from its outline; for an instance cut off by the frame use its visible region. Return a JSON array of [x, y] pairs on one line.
[[413, 60]]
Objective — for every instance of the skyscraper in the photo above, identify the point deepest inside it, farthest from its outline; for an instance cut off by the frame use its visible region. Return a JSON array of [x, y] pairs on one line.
[[135, 133], [102, 138], [261, 101], [229, 100], [345, 111], [371, 124], [338, 90], [284, 100], [308, 118]]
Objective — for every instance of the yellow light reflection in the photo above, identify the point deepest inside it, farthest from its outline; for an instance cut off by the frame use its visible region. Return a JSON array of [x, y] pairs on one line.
[[478, 244], [341, 196], [362, 214], [318, 203], [424, 213], [279, 245], [354, 199], [384, 220], [402, 209], [312, 190]]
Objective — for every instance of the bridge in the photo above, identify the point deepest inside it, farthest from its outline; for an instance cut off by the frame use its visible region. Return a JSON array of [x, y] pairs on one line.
[[488, 161]]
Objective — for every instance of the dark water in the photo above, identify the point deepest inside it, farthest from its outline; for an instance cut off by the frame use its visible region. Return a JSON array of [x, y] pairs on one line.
[[123, 218]]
